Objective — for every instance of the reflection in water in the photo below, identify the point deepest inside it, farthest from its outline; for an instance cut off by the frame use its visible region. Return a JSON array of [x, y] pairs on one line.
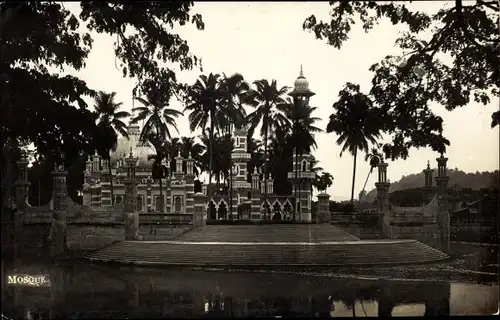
[[91, 291]]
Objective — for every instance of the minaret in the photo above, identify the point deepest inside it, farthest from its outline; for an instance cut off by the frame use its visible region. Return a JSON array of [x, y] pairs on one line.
[[238, 184], [179, 174], [383, 199], [301, 177], [443, 217], [131, 212], [189, 177], [428, 189]]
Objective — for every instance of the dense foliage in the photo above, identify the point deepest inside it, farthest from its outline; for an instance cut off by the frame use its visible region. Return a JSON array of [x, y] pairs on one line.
[[403, 87], [42, 39]]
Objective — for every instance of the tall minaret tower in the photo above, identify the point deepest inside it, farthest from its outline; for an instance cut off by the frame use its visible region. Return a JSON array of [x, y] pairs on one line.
[[428, 190], [301, 176], [239, 187]]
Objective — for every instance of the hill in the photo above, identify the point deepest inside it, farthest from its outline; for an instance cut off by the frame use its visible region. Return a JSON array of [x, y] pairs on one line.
[[465, 180]]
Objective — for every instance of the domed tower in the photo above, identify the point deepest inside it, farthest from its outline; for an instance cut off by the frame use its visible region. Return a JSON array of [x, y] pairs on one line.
[[301, 177], [146, 191]]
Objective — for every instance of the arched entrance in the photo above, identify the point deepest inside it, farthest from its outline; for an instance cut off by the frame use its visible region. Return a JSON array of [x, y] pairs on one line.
[[212, 211]]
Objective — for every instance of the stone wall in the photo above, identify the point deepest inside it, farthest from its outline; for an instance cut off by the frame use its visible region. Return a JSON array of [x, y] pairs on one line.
[[427, 233], [35, 238], [92, 236]]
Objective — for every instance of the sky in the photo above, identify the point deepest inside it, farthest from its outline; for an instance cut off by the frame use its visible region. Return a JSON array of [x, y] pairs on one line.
[[265, 40]]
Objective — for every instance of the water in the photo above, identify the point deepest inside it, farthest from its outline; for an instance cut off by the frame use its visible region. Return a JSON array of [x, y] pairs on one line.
[[81, 291]]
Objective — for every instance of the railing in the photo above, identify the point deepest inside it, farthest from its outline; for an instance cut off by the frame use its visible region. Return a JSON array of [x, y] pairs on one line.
[[170, 218], [240, 155], [413, 217], [301, 175], [241, 184]]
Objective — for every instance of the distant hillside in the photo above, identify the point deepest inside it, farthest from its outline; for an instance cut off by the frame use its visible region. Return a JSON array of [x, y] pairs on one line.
[[465, 180]]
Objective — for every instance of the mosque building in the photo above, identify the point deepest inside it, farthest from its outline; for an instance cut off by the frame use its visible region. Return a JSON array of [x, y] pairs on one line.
[[178, 190]]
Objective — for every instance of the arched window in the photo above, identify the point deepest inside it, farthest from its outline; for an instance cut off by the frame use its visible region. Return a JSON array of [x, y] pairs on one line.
[[178, 204], [304, 165], [139, 204], [237, 141], [158, 204]]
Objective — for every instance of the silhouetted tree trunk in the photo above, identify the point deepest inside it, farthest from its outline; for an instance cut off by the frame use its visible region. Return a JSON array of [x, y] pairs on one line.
[[353, 175]]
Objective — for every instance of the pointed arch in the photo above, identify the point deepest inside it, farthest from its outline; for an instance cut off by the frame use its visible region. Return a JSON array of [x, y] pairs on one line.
[[277, 206], [211, 210], [222, 210], [265, 204]]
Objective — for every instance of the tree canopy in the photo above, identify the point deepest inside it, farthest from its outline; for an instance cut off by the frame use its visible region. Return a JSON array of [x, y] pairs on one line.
[[40, 40], [405, 86]]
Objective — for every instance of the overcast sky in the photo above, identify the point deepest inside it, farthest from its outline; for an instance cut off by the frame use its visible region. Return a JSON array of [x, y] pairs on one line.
[[265, 40]]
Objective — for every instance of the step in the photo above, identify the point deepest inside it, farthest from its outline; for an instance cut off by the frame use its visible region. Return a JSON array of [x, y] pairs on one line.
[[224, 254]]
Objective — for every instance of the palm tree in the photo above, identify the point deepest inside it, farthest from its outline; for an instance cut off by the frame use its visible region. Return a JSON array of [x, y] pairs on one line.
[[302, 133], [269, 104], [254, 147], [203, 101], [235, 88], [188, 146], [158, 116], [221, 155], [374, 158], [109, 125], [324, 181], [303, 128], [355, 122]]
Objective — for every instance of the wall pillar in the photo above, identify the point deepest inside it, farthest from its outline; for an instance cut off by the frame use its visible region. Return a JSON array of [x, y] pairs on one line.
[[383, 200], [255, 213], [443, 215], [323, 208], [200, 214], [58, 230], [131, 216], [22, 191]]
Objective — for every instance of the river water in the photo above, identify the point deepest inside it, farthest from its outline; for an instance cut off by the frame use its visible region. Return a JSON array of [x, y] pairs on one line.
[[84, 291]]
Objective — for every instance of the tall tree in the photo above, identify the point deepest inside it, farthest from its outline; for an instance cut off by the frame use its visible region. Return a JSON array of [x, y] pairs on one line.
[[323, 181], [203, 101], [374, 158], [355, 123], [109, 125], [158, 118], [269, 103], [301, 135], [236, 91], [303, 129], [190, 147], [403, 87]]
